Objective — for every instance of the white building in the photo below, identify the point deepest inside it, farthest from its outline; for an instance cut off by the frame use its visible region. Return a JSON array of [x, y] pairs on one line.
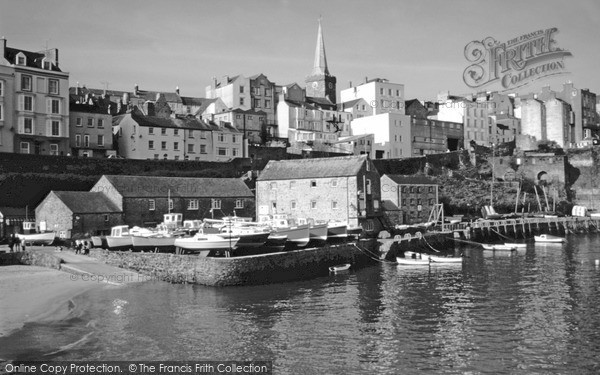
[[380, 94], [392, 134]]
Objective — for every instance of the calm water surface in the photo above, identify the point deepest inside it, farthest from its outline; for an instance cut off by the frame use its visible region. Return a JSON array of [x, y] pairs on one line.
[[534, 312]]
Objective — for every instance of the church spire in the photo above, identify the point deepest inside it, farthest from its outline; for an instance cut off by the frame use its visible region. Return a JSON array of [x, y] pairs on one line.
[[320, 65]]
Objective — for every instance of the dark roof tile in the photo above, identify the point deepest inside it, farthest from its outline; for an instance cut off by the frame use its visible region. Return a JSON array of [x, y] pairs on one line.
[[312, 168]]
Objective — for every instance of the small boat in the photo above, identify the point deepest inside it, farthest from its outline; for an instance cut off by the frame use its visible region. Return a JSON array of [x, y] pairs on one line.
[[151, 242], [547, 238], [248, 236], [498, 247], [276, 241], [119, 237], [37, 238], [439, 259], [412, 261], [97, 241], [318, 232], [339, 268], [203, 243], [516, 245]]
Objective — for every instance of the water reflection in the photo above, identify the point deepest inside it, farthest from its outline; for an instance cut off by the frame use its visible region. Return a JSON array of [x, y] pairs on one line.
[[531, 311]]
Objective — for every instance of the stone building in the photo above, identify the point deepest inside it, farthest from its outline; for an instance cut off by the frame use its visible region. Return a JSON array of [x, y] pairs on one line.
[[90, 129], [412, 196], [145, 199], [77, 212], [340, 188]]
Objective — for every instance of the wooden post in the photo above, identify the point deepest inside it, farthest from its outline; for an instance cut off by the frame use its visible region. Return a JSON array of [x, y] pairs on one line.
[[537, 196], [517, 200]]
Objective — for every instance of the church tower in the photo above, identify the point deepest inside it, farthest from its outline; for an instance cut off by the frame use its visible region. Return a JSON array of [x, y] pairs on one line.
[[321, 84]]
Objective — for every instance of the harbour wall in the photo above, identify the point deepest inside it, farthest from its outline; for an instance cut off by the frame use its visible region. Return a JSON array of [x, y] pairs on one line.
[[31, 258], [247, 270]]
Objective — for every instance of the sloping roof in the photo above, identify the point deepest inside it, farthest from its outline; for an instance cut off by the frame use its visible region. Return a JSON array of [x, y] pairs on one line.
[[192, 187], [411, 180], [33, 59], [87, 108], [388, 205], [312, 168], [86, 202], [13, 211], [348, 104], [321, 102]]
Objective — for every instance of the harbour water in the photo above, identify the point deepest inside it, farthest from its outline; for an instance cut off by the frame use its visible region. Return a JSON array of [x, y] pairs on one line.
[[535, 311]]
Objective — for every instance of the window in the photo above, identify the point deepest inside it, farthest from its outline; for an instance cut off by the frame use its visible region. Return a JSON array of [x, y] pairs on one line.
[[274, 206], [86, 141], [78, 121], [215, 204], [381, 91], [100, 140], [55, 129], [170, 204], [293, 205], [53, 149], [267, 104], [239, 203], [191, 134], [334, 205], [53, 86], [176, 157], [77, 140], [368, 186], [256, 103], [27, 103], [334, 183], [1, 88], [397, 92], [90, 122], [221, 151], [376, 204], [25, 83], [241, 89], [221, 137], [1, 112], [151, 205], [313, 183], [191, 148], [241, 101], [175, 145], [313, 205], [234, 152], [292, 184], [273, 185], [151, 145], [389, 91], [202, 135], [28, 125], [233, 138], [54, 106], [163, 131], [431, 189], [203, 149], [175, 131], [150, 130], [100, 123], [192, 204], [156, 156], [24, 147], [163, 145]]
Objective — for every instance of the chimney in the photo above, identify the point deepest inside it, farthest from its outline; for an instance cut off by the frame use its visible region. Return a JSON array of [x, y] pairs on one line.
[[177, 90], [135, 89], [214, 82], [78, 90], [225, 80], [366, 79], [2, 47], [349, 83], [125, 98]]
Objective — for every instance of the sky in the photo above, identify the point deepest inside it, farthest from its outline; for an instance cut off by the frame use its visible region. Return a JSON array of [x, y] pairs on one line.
[[161, 45]]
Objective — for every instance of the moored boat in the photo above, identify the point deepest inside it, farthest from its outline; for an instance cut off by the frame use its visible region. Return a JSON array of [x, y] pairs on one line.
[[152, 242], [318, 232], [37, 238], [119, 237], [203, 243], [276, 241], [247, 236], [412, 261], [440, 259], [337, 230], [516, 245], [498, 247], [339, 268], [547, 238]]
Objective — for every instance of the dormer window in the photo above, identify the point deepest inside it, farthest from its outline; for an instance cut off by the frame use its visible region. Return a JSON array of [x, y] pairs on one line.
[[47, 65], [21, 59]]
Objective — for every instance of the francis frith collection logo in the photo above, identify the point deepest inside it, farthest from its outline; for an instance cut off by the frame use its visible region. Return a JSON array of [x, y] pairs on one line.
[[514, 63]]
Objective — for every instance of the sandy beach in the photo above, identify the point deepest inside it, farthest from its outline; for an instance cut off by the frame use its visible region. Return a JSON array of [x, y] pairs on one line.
[[30, 293]]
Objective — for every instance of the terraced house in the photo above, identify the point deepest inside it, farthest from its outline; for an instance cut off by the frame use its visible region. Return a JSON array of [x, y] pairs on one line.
[[34, 102]]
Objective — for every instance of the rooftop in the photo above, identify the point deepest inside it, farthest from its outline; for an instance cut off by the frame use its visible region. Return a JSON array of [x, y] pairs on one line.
[[312, 168]]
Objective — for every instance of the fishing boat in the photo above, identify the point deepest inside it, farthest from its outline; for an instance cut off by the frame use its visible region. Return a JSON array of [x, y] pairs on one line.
[[202, 243], [318, 232], [548, 238], [120, 236], [37, 238], [413, 261], [439, 259], [247, 236], [516, 245], [276, 241], [498, 247], [337, 230], [154, 241], [298, 235], [339, 268]]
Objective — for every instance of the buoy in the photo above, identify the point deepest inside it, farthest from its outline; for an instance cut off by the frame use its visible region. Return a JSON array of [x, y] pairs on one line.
[[597, 262]]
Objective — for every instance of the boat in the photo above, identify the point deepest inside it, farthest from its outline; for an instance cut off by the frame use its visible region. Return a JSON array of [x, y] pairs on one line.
[[203, 243], [276, 241], [354, 232], [247, 236], [440, 259], [412, 261], [548, 238], [298, 235], [318, 232], [120, 237], [99, 242], [498, 247], [339, 268], [153, 242], [337, 230], [37, 238], [516, 245]]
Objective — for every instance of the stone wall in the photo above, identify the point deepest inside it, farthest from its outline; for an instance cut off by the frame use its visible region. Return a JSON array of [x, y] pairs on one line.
[[256, 269], [30, 258]]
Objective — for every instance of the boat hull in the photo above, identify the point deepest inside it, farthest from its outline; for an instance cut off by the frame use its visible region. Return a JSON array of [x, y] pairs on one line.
[[298, 236], [318, 232], [152, 243], [438, 259], [412, 262], [337, 231], [37, 238], [548, 239], [340, 268], [252, 240], [206, 243], [114, 242], [499, 247]]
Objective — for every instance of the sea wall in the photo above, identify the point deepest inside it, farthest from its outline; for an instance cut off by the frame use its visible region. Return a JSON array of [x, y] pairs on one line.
[[31, 258], [255, 269]]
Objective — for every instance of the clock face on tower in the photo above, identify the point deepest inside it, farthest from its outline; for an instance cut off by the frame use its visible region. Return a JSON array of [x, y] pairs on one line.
[[315, 85]]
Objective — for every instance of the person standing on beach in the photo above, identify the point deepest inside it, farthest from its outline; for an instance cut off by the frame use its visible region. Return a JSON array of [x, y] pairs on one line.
[[11, 242], [17, 243]]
